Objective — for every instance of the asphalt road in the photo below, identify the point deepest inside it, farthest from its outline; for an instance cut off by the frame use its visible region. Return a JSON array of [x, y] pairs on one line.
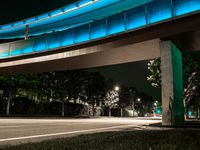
[[17, 131]]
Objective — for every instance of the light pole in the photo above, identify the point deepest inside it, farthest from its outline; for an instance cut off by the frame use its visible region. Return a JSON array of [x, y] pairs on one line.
[[112, 99], [117, 90], [138, 100]]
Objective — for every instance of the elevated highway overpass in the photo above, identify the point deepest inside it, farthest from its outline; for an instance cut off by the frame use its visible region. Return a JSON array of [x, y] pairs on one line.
[[105, 19], [99, 32]]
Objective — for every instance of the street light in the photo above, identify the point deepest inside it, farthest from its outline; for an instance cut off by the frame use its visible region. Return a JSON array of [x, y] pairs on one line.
[[139, 99], [156, 103], [116, 88], [133, 103]]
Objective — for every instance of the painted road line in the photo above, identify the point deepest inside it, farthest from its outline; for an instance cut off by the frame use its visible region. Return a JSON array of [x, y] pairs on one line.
[[64, 133], [4, 127]]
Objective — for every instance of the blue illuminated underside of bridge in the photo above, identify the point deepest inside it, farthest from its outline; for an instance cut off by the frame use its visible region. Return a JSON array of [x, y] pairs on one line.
[[137, 17]]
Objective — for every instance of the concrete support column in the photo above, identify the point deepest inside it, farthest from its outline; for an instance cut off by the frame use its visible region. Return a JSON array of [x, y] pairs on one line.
[[172, 84]]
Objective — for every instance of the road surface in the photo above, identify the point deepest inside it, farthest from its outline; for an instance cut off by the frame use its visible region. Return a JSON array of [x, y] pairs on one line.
[[17, 131]]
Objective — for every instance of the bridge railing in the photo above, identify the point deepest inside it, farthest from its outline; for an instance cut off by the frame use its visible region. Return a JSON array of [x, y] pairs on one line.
[[156, 11]]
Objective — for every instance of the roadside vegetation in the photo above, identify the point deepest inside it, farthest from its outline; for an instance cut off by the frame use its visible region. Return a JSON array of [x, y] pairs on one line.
[[68, 93], [191, 81]]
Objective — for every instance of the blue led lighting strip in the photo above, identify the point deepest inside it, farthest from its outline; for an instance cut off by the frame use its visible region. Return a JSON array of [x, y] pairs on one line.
[[156, 11]]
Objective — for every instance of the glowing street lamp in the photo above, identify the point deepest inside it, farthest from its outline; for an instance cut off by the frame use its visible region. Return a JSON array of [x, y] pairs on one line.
[[139, 99], [116, 88], [156, 103]]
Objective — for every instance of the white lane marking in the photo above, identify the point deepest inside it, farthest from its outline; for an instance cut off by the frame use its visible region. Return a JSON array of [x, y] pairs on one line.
[[4, 127], [64, 133]]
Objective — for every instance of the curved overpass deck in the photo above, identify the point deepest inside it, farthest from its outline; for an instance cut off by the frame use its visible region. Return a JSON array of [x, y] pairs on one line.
[[133, 46], [70, 16], [143, 16]]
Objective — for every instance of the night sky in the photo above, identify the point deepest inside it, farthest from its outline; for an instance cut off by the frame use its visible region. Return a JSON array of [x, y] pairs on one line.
[[14, 10], [131, 74]]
